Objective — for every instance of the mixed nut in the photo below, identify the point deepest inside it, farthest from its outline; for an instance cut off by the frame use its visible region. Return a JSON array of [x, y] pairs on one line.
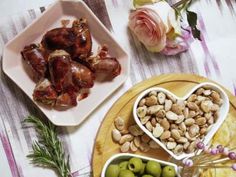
[[132, 138], [180, 124]]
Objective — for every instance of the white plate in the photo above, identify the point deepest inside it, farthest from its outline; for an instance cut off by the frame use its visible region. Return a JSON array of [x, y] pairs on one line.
[[222, 114], [13, 66], [125, 156]]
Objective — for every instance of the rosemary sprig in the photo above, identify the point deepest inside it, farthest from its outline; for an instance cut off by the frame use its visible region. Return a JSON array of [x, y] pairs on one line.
[[48, 150]]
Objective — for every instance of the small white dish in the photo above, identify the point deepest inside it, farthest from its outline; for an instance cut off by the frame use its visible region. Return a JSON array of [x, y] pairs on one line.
[[51, 18], [125, 156], [222, 114]]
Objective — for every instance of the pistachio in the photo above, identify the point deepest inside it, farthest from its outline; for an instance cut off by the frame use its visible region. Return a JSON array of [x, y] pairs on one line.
[[137, 141], [171, 145], [207, 92], [180, 119], [133, 148], [210, 121], [173, 126], [177, 109], [215, 107], [215, 96], [151, 100], [124, 131], [206, 105], [182, 140], [171, 139], [186, 112], [189, 121], [203, 131], [154, 109], [126, 138], [144, 147], [142, 102], [186, 145], [182, 127], [171, 97], [192, 106], [175, 134], [161, 113], [194, 130], [125, 147], [200, 91], [168, 105], [119, 123], [181, 103], [135, 130], [171, 116], [145, 138], [145, 119], [165, 124], [192, 114], [149, 126], [152, 93], [192, 98], [216, 114], [201, 98], [165, 135], [157, 131], [189, 137], [161, 97], [191, 147], [178, 149], [116, 135], [153, 144], [153, 122], [142, 111], [201, 121]]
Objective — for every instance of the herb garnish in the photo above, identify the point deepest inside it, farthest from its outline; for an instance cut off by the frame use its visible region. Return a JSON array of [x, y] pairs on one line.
[[48, 150]]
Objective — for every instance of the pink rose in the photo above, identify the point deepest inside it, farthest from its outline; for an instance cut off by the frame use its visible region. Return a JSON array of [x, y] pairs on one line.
[[157, 28], [148, 27]]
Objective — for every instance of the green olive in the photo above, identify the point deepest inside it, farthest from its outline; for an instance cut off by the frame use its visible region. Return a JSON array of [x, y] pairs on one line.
[[168, 171], [135, 164], [123, 165], [147, 176], [143, 169], [112, 171], [126, 173], [153, 168]]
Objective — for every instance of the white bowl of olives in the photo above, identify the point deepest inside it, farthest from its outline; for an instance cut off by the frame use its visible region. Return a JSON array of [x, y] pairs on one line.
[[132, 165]]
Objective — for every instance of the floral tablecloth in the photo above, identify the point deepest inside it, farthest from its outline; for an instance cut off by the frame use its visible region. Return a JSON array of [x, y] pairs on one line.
[[212, 57]]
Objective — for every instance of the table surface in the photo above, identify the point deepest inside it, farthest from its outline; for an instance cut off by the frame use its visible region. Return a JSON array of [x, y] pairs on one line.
[[213, 57]]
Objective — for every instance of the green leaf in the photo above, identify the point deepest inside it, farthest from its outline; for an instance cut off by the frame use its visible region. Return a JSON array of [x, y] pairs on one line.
[[48, 150], [192, 21], [192, 18], [196, 33]]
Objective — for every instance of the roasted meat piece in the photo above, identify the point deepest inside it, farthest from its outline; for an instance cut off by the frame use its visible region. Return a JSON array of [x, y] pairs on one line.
[[45, 93], [82, 76], [83, 42], [103, 63], [36, 58], [59, 38], [66, 99], [59, 63], [75, 40]]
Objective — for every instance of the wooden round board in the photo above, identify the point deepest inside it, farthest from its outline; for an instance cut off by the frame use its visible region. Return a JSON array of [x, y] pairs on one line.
[[179, 84]]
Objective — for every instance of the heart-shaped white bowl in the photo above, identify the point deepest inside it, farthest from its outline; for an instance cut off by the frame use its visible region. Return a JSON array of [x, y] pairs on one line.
[[125, 156], [222, 114]]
